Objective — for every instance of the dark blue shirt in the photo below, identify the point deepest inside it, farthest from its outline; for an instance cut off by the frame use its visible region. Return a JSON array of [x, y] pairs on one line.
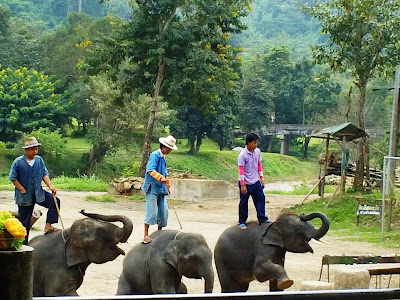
[[30, 178]]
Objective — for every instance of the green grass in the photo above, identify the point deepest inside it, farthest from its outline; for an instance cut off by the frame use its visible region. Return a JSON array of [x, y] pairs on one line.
[[302, 190], [137, 198], [342, 215], [82, 183], [6, 184], [209, 162], [103, 198]]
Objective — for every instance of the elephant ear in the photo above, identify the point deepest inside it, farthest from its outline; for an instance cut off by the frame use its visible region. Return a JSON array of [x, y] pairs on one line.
[[170, 255], [75, 254], [272, 236]]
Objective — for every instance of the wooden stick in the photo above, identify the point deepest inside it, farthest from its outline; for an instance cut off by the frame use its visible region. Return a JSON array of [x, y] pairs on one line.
[[312, 189], [333, 195]]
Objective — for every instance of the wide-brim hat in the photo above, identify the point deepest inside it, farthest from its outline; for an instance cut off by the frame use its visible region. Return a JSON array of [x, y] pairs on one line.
[[31, 142], [169, 142]]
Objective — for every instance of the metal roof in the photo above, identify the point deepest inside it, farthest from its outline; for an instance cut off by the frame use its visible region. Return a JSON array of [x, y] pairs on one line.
[[346, 130]]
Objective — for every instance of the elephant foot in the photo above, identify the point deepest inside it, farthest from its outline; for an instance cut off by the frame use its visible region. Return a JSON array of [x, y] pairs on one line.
[[285, 284]]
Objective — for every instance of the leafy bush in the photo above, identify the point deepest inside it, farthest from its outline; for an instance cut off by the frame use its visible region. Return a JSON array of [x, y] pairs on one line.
[[2, 148]]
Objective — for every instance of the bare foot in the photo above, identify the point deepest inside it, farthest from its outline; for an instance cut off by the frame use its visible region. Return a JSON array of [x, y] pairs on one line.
[[146, 240]]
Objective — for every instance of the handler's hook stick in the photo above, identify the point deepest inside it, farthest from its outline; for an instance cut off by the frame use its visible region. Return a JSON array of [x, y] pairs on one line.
[[58, 211], [180, 225]]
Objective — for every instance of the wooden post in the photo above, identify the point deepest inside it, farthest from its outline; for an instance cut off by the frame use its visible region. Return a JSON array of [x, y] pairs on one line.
[[285, 143], [343, 169], [16, 276], [325, 166], [394, 127]]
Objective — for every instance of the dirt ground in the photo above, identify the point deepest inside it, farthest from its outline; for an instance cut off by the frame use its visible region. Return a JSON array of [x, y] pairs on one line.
[[209, 218]]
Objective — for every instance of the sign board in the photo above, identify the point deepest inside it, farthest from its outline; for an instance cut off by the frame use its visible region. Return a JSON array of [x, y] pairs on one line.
[[365, 209]]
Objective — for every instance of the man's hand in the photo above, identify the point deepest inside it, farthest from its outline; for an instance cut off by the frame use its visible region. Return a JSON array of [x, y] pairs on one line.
[[262, 183], [164, 179], [23, 191], [53, 190], [243, 189]]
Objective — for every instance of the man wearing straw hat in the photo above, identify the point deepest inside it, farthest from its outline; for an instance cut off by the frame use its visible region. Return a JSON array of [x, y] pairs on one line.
[[27, 173], [157, 185]]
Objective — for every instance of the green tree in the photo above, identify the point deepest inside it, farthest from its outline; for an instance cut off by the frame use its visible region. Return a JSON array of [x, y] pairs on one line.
[[290, 92], [363, 39], [178, 50], [28, 102], [67, 47], [114, 122]]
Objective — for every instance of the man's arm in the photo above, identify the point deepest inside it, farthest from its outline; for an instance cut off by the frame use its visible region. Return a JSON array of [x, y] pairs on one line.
[[260, 172], [18, 186], [46, 180], [243, 188]]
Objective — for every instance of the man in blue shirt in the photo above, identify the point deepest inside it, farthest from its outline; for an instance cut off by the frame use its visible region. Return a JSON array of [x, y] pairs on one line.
[[27, 173], [157, 185]]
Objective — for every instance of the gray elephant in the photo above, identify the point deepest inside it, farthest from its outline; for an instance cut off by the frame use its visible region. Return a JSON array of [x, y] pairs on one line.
[[158, 267], [60, 258], [258, 252]]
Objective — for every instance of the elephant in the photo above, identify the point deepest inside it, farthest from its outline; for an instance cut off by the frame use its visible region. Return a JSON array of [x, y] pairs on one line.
[[61, 258], [158, 267], [258, 252]]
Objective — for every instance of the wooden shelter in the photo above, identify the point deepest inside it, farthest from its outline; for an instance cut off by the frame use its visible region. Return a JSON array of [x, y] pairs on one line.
[[341, 134]]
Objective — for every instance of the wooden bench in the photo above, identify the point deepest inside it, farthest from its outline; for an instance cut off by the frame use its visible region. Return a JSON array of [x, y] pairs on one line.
[[372, 264]]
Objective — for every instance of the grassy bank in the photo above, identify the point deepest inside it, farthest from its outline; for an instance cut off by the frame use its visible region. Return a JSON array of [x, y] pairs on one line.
[[209, 162]]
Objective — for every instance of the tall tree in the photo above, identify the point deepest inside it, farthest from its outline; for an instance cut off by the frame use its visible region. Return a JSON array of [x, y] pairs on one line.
[[363, 40], [178, 50]]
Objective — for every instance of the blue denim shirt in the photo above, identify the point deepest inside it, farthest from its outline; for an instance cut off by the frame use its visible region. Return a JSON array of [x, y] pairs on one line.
[[30, 178], [156, 163]]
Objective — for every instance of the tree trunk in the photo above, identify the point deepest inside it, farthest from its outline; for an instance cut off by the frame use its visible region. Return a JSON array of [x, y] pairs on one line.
[[157, 87], [191, 144], [97, 154], [359, 173], [198, 144], [152, 117]]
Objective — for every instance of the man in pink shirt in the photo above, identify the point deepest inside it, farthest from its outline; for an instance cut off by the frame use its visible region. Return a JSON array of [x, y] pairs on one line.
[[251, 181]]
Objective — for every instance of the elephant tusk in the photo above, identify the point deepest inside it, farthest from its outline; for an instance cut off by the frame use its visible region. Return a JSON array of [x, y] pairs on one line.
[[325, 242], [315, 241]]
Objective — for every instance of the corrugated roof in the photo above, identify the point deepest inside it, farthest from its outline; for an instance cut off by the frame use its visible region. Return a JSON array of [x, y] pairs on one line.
[[347, 130]]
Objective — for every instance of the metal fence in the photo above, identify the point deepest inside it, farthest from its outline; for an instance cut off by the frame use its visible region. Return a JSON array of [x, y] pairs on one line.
[[371, 294]]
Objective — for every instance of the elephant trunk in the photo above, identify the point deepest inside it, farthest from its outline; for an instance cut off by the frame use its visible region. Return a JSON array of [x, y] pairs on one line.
[[320, 232], [122, 233], [209, 282]]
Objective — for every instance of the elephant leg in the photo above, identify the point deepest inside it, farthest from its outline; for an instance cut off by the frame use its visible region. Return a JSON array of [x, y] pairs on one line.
[[268, 270], [230, 285], [273, 285], [124, 287], [182, 289]]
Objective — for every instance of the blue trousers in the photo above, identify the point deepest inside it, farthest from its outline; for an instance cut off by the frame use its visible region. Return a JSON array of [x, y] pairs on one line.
[[257, 194], [156, 209], [25, 212]]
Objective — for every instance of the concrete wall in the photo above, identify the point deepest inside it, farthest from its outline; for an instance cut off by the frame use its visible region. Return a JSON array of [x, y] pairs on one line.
[[202, 189]]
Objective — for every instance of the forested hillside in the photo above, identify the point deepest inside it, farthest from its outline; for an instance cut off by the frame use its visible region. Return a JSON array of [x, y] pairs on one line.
[[109, 72]]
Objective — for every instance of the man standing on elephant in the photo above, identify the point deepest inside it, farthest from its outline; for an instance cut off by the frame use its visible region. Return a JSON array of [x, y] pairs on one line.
[[251, 181], [157, 186], [27, 173]]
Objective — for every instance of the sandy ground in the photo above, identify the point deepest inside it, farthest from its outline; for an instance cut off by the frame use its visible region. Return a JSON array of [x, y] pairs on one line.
[[209, 218]]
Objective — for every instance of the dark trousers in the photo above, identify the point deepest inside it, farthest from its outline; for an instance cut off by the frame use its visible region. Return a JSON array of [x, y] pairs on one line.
[[25, 212], [257, 194]]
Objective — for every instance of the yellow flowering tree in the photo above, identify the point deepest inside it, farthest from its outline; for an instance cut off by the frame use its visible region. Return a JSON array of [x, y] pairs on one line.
[[28, 102]]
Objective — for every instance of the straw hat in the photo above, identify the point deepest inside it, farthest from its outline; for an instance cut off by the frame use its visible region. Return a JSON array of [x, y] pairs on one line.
[[168, 141], [31, 142]]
